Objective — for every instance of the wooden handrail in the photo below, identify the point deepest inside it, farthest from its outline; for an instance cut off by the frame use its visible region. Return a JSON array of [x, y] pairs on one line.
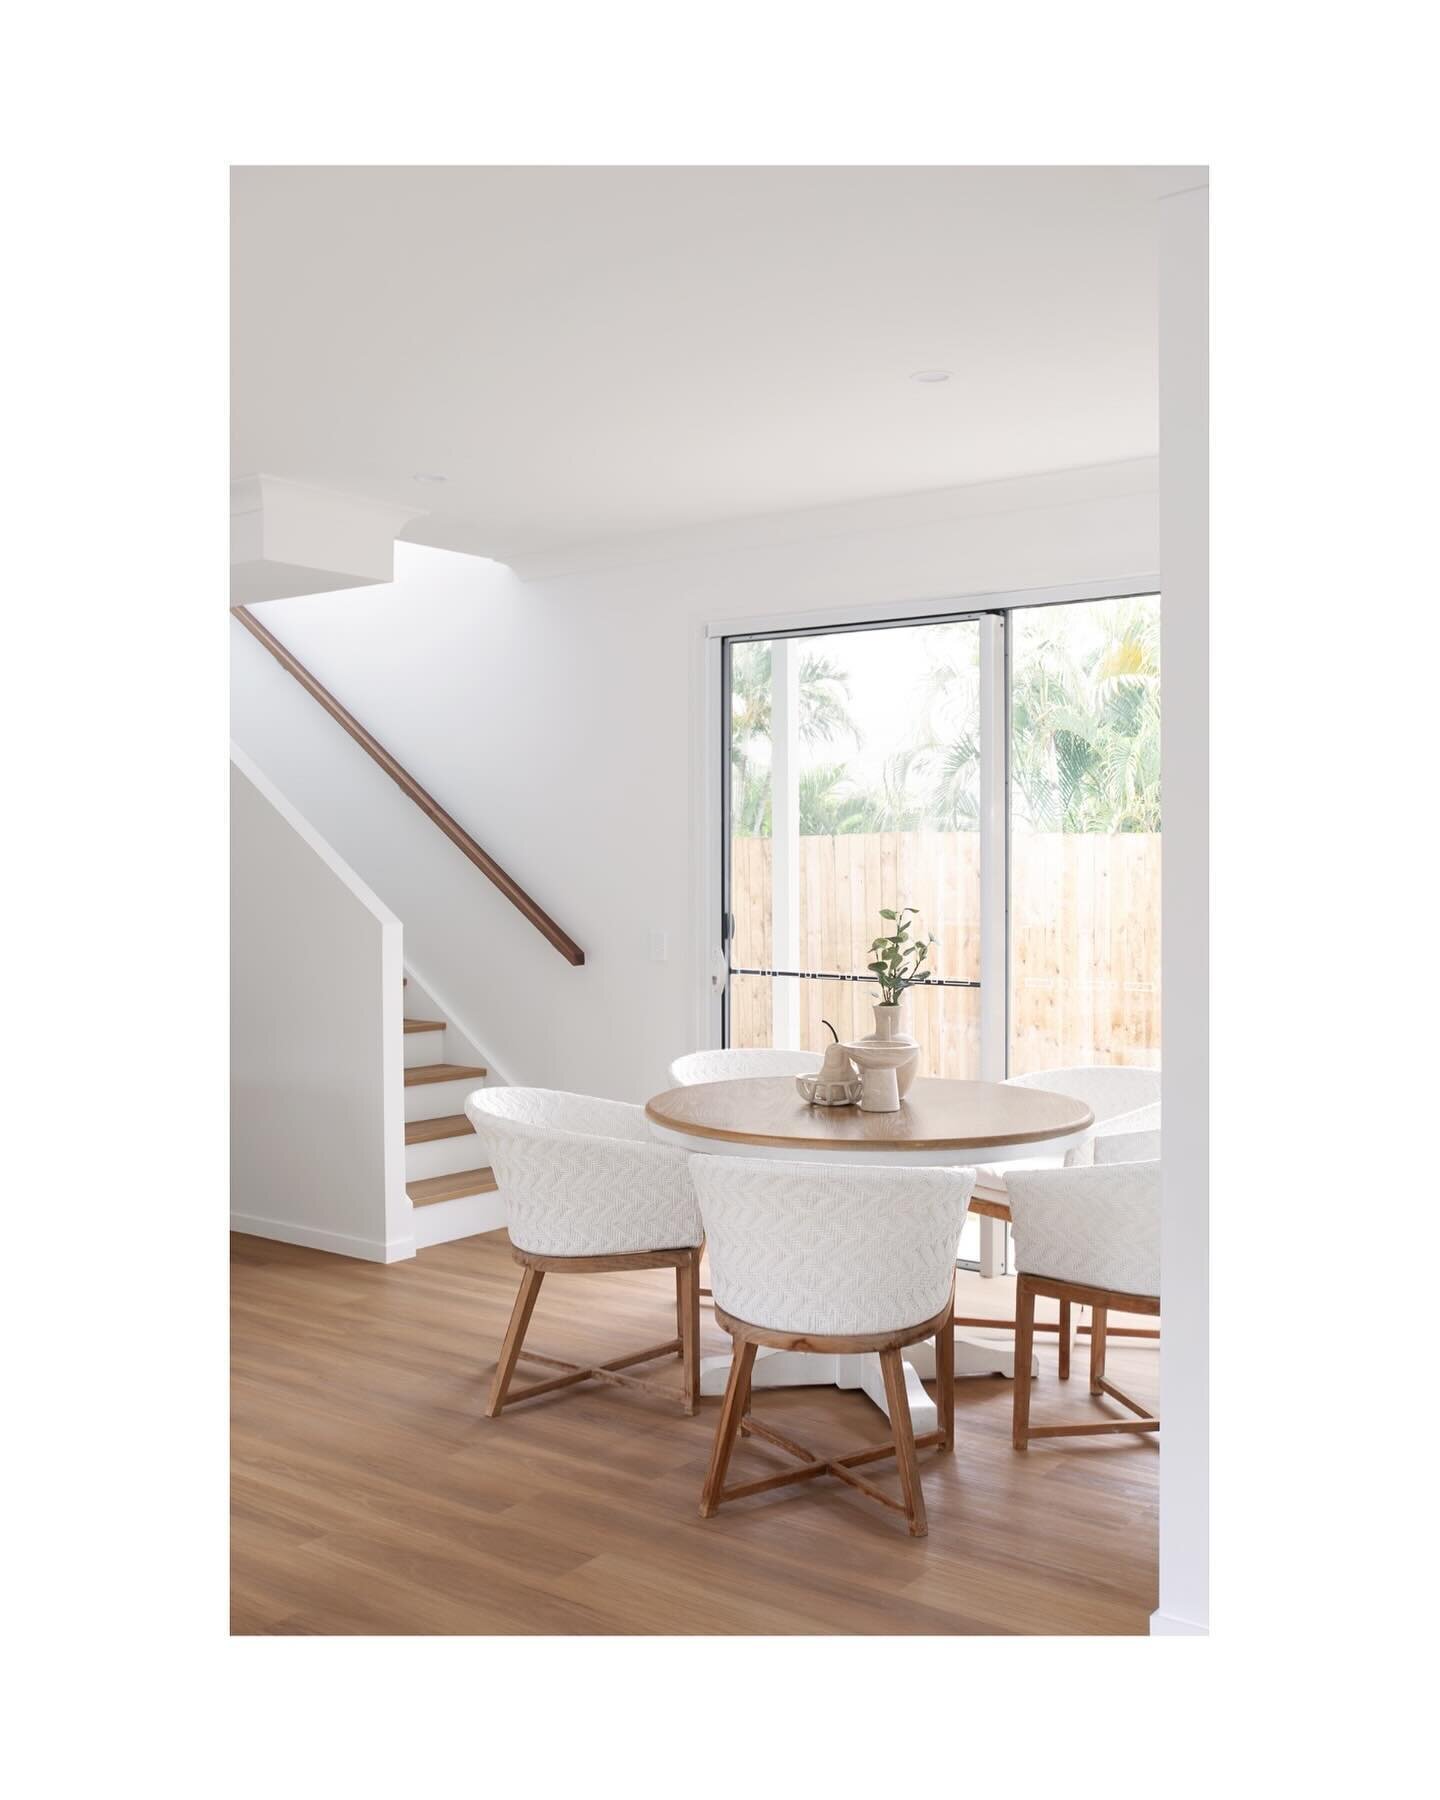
[[427, 803]]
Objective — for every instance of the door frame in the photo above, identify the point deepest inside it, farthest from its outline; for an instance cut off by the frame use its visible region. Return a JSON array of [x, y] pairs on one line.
[[710, 766]]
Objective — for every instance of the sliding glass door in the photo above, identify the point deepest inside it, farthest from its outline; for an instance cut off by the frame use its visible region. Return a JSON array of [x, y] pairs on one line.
[[1084, 873], [997, 771], [855, 789]]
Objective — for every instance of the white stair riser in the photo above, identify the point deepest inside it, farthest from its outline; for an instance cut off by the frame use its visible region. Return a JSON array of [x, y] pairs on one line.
[[444, 1156], [447, 1220], [423, 1048], [433, 1099]]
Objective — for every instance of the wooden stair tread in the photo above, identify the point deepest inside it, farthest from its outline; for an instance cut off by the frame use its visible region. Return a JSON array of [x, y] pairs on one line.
[[423, 1025], [451, 1187], [422, 1077], [425, 1131]]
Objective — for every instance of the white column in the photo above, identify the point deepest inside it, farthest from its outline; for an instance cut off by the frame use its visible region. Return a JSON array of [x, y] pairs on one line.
[[994, 966], [1185, 968], [785, 837], [994, 973]]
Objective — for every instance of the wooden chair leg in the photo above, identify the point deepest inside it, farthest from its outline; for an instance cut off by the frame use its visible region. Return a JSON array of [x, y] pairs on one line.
[[1064, 1340], [530, 1280], [893, 1368], [945, 1384], [1024, 1350], [732, 1410], [1098, 1319], [687, 1281]]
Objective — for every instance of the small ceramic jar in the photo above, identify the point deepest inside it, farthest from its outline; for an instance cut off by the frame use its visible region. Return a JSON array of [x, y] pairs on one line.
[[836, 1084]]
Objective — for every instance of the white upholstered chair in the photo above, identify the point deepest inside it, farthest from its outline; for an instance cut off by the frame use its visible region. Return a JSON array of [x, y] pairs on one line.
[[587, 1190], [1112, 1093], [739, 1065], [837, 1261], [1128, 1147], [1123, 1100], [1090, 1237]]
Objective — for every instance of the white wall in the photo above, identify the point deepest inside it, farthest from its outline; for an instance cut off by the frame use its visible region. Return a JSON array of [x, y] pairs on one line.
[[557, 717], [317, 1129], [1185, 973]]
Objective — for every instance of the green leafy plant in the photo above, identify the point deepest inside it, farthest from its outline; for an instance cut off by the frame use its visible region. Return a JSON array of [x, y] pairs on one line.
[[900, 958]]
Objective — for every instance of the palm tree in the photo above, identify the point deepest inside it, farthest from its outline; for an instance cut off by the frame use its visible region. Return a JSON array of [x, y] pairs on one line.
[[1084, 746], [824, 696], [1085, 743], [1129, 675], [1085, 729], [831, 804], [824, 718], [936, 781]]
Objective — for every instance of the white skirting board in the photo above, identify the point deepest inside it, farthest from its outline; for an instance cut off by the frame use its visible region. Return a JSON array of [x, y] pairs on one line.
[[339, 1243], [447, 1220], [1167, 1625]]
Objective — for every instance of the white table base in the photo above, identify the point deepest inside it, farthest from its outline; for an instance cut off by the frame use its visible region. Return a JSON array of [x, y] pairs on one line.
[[793, 1368], [798, 1368]]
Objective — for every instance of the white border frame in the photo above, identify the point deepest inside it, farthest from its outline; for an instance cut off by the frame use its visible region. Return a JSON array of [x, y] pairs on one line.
[[707, 763]]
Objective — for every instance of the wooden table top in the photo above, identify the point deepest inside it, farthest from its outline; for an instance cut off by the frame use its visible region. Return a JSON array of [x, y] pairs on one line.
[[968, 1117]]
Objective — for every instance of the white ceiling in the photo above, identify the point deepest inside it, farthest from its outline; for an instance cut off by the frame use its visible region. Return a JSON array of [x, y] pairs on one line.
[[589, 353]]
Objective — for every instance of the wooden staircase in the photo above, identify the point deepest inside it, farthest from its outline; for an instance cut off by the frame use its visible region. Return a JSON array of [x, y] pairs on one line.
[[442, 1164], [441, 1071], [451, 1187]]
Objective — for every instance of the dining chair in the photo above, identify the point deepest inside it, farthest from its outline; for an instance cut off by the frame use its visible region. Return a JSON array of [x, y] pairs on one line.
[[1111, 1091], [739, 1065], [1089, 1237], [837, 1262], [587, 1191], [1128, 1146], [1122, 1099]]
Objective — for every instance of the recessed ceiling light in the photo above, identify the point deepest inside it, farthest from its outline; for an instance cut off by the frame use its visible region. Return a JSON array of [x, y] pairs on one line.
[[931, 375], [430, 480]]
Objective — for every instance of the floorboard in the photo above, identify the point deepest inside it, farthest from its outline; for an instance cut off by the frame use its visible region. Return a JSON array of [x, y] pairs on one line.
[[371, 1494]]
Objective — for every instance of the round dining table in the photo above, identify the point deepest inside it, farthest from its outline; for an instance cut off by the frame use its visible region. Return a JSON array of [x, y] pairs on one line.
[[940, 1124]]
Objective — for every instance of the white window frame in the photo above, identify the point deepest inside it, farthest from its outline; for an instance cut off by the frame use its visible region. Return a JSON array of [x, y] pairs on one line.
[[710, 764]]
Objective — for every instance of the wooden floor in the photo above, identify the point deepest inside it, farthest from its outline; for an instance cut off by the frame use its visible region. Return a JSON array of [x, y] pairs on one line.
[[371, 1495]]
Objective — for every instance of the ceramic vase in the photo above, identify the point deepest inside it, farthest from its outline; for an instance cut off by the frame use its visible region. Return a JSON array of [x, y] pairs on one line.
[[890, 1028]]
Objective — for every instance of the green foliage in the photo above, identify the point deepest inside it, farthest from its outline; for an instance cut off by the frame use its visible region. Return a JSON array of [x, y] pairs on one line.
[[941, 768], [830, 802], [1085, 754], [899, 959], [1084, 751], [825, 806], [824, 697]]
